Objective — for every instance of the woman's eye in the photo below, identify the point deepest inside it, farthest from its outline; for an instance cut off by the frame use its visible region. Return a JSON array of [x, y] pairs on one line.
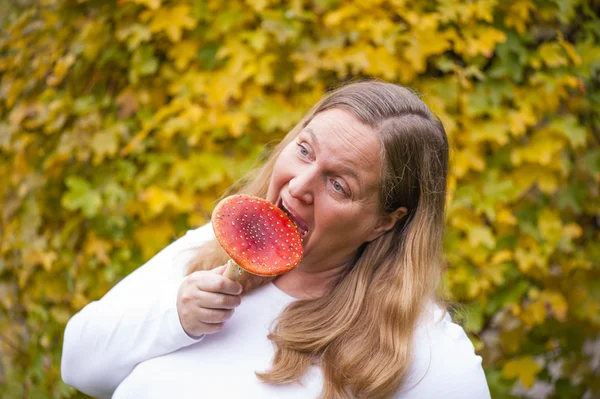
[[338, 187], [303, 150]]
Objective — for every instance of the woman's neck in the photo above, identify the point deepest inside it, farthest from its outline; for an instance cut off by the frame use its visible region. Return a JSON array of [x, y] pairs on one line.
[[303, 283]]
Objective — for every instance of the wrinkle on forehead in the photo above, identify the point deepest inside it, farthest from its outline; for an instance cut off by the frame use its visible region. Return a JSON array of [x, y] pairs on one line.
[[349, 144]]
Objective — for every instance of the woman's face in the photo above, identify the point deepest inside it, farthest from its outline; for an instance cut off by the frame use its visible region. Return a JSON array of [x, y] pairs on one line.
[[327, 180]]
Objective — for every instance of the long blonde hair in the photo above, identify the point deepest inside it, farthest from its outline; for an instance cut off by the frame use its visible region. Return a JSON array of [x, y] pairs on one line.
[[361, 333]]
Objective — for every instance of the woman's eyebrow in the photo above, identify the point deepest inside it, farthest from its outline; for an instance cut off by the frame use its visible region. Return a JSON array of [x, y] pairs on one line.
[[345, 170], [313, 136]]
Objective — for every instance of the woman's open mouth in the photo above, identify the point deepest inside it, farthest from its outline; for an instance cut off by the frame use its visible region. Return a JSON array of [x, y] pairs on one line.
[[300, 224]]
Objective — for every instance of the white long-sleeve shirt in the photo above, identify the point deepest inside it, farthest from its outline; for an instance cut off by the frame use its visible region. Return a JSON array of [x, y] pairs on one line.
[[130, 344]]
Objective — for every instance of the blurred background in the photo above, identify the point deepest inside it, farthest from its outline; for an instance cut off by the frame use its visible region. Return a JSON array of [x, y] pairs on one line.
[[121, 122]]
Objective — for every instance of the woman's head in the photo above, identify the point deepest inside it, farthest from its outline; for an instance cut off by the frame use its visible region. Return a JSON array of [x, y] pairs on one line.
[[366, 156], [328, 180]]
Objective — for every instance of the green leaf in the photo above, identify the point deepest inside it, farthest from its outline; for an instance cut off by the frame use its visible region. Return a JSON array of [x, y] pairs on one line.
[[471, 317], [81, 196], [571, 129], [592, 161], [511, 293]]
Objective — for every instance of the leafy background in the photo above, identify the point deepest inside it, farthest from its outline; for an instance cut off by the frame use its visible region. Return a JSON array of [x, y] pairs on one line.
[[121, 122]]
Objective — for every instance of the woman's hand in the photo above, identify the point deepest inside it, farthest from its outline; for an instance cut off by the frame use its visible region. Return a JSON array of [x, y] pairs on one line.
[[205, 300]]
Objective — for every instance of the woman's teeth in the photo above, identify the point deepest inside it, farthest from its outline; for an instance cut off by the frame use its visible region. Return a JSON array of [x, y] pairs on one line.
[[303, 232]]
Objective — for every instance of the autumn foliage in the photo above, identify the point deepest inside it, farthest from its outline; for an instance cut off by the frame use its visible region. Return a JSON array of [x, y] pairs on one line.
[[122, 122]]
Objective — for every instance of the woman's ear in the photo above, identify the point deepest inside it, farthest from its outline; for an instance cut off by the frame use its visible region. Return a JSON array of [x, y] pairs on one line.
[[387, 222]]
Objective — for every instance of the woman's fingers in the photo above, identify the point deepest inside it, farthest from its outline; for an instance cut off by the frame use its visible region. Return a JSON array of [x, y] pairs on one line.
[[214, 282], [214, 316], [206, 300], [217, 301]]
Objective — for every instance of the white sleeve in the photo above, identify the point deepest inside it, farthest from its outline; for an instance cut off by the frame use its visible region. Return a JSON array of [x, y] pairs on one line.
[[135, 321], [445, 365]]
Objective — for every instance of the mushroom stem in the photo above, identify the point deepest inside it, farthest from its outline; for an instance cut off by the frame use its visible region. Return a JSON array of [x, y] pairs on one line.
[[233, 271]]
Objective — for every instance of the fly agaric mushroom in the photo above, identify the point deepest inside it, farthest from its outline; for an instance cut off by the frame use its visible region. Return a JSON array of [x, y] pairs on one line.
[[259, 237]]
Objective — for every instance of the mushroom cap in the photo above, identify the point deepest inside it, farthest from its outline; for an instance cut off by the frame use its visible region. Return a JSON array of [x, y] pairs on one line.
[[257, 235]]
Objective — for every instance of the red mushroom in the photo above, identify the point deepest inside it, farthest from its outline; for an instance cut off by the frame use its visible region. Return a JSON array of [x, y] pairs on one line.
[[259, 237]]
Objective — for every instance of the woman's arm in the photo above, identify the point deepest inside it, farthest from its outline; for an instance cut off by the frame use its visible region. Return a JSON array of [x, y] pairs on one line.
[[135, 321]]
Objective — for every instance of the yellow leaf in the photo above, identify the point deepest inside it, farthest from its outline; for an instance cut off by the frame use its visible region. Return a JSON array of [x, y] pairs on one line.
[[153, 237], [569, 49], [380, 31], [543, 149], [484, 9], [550, 225], [152, 4], [474, 287], [134, 34], [463, 219], [60, 314], [104, 143], [451, 10], [237, 122], [98, 248], [340, 59], [495, 131], [170, 20], [78, 301], [60, 69], [519, 121], [52, 289], [504, 216], [383, 63], [183, 52], [517, 14], [552, 54], [502, 256], [512, 339], [307, 64], [173, 126], [526, 175], [557, 302], [193, 113], [264, 73], [465, 12], [527, 258], [525, 368], [479, 40], [481, 235], [158, 199], [572, 230], [90, 34], [468, 158], [40, 257], [461, 275], [534, 313], [13, 90], [495, 273], [335, 18], [258, 5], [425, 39], [196, 218], [573, 264], [128, 103]]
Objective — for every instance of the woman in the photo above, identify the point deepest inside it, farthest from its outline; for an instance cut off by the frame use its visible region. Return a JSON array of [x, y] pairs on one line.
[[363, 176]]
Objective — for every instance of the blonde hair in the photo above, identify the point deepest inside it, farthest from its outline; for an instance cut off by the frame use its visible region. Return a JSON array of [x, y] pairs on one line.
[[361, 333]]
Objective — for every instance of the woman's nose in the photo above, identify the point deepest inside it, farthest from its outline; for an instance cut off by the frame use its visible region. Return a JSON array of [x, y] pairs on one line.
[[301, 187]]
